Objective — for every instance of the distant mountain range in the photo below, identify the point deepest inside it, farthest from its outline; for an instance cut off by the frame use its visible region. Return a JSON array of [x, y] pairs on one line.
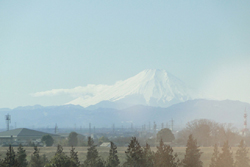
[[150, 87], [150, 96], [74, 115]]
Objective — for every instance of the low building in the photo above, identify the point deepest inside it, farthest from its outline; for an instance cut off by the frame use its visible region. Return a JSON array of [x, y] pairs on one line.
[[23, 136], [105, 144]]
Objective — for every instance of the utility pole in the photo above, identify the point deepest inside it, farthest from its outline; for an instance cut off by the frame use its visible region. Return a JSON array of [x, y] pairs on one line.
[[154, 129], [172, 125], [56, 129], [245, 123], [113, 128], [90, 129], [8, 121]]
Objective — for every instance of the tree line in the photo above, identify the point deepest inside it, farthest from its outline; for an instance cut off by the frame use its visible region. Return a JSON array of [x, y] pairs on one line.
[[136, 156], [207, 133]]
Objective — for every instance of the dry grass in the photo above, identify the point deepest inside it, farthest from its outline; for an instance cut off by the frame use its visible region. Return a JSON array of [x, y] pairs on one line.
[[103, 152]]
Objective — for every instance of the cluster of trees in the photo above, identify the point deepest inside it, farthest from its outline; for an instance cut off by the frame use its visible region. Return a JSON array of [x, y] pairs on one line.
[[19, 159], [166, 135], [71, 141], [208, 133], [136, 156], [225, 158], [60, 159], [144, 157]]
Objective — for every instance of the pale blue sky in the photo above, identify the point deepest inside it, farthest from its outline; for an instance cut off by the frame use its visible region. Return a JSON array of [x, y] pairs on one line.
[[48, 45]]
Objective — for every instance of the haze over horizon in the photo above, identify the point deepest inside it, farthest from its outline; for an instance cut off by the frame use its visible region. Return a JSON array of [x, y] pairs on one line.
[[47, 45]]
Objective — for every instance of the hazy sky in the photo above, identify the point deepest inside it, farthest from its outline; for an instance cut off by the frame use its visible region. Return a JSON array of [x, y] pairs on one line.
[[48, 45]]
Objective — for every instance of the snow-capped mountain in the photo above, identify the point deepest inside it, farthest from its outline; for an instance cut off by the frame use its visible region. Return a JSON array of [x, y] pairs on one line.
[[150, 87]]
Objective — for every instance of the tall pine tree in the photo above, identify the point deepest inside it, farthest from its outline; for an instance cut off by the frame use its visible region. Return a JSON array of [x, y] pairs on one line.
[[60, 159], [242, 159], [225, 158], [148, 156], [92, 158], [215, 156], [134, 154], [10, 160], [164, 156], [21, 156], [74, 158], [36, 160], [113, 160], [193, 154]]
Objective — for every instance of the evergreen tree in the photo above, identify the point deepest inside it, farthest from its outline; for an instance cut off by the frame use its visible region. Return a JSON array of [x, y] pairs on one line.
[[60, 159], [215, 156], [134, 154], [193, 154], [92, 158], [166, 135], [225, 158], [90, 141], [148, 156], [2, 163], [73, 140], [74, 157], [21, 156], [36, 160], [59, 149], [164, 156], [113, 160], [242, 159], [10, 159], [44, 159], [48, 140]]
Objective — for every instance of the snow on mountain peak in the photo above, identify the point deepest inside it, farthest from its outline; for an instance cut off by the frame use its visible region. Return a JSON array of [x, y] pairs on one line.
[[152, 87]]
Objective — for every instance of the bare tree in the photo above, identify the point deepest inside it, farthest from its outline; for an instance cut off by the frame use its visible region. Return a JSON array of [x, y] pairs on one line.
[[208, 133]]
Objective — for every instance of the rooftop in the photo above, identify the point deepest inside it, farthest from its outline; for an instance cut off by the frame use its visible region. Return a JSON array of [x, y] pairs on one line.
[[23, 132]]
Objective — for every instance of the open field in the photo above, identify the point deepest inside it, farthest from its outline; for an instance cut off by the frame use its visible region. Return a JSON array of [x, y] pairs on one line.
[[103, 152]]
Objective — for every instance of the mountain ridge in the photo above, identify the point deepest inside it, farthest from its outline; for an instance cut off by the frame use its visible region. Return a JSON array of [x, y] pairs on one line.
[[152, 87], [225, 111]]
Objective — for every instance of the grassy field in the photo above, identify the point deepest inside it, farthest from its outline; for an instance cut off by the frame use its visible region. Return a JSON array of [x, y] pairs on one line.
[[103, 152]]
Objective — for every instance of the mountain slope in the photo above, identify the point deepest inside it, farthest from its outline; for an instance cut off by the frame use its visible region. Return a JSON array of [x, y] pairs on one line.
[[150, 87], [226, 111]]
